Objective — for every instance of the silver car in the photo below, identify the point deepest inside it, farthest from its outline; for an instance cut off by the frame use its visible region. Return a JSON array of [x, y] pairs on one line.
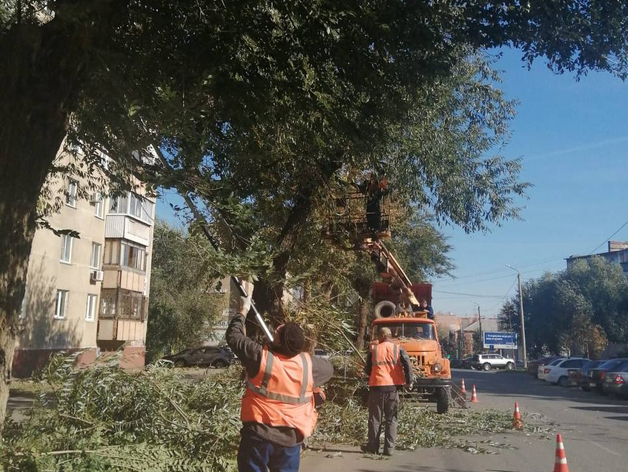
[[492, 361]]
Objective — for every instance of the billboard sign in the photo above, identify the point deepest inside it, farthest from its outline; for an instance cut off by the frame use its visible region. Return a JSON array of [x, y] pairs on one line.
[[500, 340]]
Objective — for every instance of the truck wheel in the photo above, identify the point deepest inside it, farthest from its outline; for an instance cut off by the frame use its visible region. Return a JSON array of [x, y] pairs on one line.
[[510, 366], [442, 400], [486, 366]]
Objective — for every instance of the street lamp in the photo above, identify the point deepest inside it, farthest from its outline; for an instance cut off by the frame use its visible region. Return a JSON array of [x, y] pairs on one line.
[[523, 325]]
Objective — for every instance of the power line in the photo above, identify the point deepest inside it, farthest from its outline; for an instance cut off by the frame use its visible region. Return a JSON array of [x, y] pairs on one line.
[[504, 297], [456, 279], [468, 294], [608, 239], [489, 279]]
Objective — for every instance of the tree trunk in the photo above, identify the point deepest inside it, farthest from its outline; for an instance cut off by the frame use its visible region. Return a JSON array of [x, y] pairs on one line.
[[363, 316], [39, 71], [268, 294], [363, 288]]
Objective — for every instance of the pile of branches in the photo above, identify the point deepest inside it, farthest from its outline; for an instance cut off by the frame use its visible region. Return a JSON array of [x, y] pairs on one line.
[[102, 418]]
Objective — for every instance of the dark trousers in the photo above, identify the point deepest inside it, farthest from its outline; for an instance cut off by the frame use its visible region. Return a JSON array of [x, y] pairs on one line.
[[259, 455], [382, 404]]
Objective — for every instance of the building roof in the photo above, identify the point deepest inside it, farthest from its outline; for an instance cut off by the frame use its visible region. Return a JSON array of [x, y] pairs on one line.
[[488, 324]]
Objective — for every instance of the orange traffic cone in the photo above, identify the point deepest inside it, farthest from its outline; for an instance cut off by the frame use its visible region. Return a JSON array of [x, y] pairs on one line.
[[474, 395], [560, 465], [516, 418], [463, 389]]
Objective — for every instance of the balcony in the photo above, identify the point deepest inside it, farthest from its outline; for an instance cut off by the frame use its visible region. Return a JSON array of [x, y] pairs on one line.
[[127, 227]]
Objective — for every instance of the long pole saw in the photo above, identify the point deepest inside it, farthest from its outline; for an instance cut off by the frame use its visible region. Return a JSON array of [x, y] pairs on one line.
[[203, 223]]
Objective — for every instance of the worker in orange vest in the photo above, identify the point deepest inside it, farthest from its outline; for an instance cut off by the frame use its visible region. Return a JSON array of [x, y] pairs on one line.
[[278, 406], [389, 370]]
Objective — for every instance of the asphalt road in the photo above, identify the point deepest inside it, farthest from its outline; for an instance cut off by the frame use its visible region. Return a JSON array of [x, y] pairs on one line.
[[594, 430]]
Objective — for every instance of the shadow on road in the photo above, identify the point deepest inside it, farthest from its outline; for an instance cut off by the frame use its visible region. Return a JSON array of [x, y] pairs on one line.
[[422, 468], [522, 385], [603, 408]]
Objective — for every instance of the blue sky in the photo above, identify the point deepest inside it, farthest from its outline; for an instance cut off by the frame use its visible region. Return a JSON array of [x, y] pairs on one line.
[[573, 140]]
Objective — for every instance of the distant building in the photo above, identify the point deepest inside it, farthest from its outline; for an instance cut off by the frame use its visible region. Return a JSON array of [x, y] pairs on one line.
[[89, 292], [488, 324], [617, 254], [468, 326]]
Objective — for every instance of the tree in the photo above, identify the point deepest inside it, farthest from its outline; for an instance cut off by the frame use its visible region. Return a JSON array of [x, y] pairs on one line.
[[289, 92], [579, 309], [584, 338], [186, 299]]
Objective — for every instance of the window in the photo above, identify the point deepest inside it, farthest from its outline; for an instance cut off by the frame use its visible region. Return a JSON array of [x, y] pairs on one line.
[[61, 304], [70, 193], [66, 248], [135, 207], [122, 304], [147, 211], [99, 205], [141, 208], [108, 303], [112, 252], [133, 256], [119, 204], [131, 305], [91, 307], [94, 261], [410, 330]]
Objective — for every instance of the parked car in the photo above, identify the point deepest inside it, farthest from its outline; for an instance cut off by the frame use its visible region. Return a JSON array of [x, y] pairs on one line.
[[559, 373], [597, 376], [455, 363], [203, 357], [582, 375], [492, 361], [322, 353], [616, 382], [543, 370], [464, 363], [533, 366]]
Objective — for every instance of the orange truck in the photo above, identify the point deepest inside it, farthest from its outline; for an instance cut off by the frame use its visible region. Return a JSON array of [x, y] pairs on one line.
[[417, 334]]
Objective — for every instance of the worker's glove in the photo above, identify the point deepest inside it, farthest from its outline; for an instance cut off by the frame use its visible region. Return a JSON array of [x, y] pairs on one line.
[[245, 302]]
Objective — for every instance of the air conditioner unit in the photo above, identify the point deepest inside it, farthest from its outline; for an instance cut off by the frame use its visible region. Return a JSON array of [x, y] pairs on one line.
[[98, 275]]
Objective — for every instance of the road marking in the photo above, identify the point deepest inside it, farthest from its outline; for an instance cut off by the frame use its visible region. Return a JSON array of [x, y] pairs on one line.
[[604, 448]]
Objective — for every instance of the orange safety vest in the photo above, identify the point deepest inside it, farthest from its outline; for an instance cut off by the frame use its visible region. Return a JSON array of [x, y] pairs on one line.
[[281, 393], [387, 369]]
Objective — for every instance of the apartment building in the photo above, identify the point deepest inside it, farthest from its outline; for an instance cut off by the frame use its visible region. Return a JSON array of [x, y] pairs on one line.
[[617, 253], [88, 290]]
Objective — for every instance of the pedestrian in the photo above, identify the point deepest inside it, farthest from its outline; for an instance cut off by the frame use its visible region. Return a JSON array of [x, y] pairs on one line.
[[389, 370], [278, 406]]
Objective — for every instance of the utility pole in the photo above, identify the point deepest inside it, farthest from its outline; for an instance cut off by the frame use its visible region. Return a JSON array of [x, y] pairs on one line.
[[480, 323], [523, 325]]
